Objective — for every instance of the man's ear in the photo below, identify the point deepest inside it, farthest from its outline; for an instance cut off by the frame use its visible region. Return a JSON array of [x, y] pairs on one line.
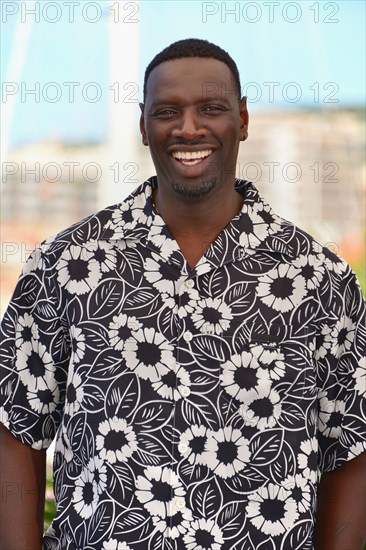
[[244, 118], [142, 125]]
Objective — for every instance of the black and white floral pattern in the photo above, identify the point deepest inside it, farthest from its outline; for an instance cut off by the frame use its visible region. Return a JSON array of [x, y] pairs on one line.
[[192, 409]]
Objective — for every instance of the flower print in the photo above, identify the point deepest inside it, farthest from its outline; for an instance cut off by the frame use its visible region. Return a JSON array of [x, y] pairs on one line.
[[308, 459], [163, 276], [74, 394], [117, 441], [104, 254], [194, 439], [212, 316], [242, 378], [262, 411], [161, 238], [170, 382], [282, 288], [342, 336], [253, 228], [122, 217], [26, 331], [271, 359], [85, 497], [331, 415], [98, 470], [187, 301], [158, 491], [272, 510], [324, 342], [146, 352], [77, 343], [299, 488], [121, 328], [268, 216], [203, 534], [227, 451], [63, 444], [312, 270], [360, 376], [356, 449], [113, 544], [43, 401], [78, 271], [35, 366], [173, 526]]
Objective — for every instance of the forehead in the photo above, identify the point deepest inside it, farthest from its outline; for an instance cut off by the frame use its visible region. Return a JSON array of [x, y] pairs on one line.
[[199, 76]]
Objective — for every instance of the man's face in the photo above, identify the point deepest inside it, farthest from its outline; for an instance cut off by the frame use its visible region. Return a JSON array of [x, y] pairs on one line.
[[193, 123]]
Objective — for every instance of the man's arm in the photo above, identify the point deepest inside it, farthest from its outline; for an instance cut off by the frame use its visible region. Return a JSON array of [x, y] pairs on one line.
[[341, 515], [23, 480]]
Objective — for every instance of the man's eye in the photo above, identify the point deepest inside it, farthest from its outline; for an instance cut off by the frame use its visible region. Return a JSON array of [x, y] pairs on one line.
[[165, 112], [213, 108]]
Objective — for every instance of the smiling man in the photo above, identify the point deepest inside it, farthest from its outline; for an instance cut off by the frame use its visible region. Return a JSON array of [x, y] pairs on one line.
[[198, 358]]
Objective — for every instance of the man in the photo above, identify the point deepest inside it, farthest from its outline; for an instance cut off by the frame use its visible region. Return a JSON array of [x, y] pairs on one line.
[[199, 357]]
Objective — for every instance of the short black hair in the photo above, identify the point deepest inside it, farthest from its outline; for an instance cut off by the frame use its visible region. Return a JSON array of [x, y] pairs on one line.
[[194, 47]]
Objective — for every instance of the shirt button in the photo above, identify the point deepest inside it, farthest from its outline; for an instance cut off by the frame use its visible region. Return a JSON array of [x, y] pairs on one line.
[[185, 391], [180, 503], [187, 336], [189, 283], [182, 448]]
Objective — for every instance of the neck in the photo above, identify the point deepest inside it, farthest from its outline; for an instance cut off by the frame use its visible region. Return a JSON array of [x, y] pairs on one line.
[[201, 216]]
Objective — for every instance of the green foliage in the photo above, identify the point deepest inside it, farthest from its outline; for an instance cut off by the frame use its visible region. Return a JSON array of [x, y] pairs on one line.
[[49, 507]]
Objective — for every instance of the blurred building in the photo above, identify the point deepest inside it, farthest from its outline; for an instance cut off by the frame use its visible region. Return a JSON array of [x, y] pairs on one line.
[[309, 165]]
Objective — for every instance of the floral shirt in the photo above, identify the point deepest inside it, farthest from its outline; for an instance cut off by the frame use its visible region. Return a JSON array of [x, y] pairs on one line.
[[192, 408]]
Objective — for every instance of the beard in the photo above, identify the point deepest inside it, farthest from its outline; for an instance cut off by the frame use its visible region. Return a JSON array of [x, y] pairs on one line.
[[194, 191]]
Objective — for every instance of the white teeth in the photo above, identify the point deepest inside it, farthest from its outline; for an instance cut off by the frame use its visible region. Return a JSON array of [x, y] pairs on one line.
[[191, 155]]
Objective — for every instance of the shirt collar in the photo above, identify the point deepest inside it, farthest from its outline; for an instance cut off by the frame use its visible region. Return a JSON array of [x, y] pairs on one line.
[[255, 228]]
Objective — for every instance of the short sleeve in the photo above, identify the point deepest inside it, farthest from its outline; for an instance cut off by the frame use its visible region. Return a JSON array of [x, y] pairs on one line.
[[34, 356], [341, 371]]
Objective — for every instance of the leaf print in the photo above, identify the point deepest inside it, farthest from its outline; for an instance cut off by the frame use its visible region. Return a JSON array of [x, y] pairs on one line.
[[87, 231], [142, 302], [23, 419], [292, 416], [93, 399], [191, 408], [107, 365], [120, 483], [27, 291], [240, 297], [246, 481], [152, 414], [151, 452], [284, 465], [133, 521], [231, 519], [265, 447], [192, 473], [207, 498], [101, 522], [105, 299], [299, 537], [207, 348], [123, 396]]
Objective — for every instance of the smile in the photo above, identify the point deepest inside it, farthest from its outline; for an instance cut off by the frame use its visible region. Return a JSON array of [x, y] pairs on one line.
[[190, 158]]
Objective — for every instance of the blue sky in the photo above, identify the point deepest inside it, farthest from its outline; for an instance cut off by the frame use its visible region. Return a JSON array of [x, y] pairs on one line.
[[323, 53]]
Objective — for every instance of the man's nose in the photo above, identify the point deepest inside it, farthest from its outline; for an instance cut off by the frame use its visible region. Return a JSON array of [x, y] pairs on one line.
[[189, 125]]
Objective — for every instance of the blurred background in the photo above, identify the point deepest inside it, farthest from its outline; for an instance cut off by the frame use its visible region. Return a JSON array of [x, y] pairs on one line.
[[72, 75]]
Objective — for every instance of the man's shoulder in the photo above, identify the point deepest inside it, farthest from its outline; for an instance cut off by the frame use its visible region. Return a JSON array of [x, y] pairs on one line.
[[96, 226], [296, 245]]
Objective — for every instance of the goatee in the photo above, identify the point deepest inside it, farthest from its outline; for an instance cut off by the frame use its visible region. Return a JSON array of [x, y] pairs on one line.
[[194, 191]]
